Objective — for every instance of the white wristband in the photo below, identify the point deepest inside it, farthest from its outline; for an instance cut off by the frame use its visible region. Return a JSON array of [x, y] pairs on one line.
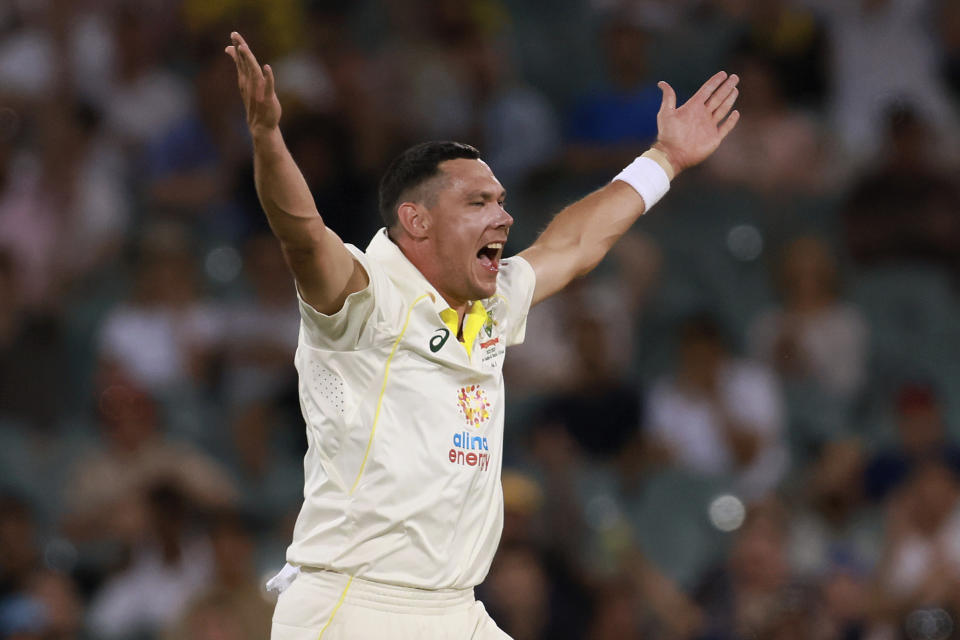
[[647, 178]]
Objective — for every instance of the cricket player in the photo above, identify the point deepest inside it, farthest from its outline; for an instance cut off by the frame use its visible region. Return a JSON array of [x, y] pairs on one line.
[[400, 360]]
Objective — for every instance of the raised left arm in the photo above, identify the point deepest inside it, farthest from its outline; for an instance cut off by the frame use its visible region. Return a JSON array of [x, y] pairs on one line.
[[578, 238]]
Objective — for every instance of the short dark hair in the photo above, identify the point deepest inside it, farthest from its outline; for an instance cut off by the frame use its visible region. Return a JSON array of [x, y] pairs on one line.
[[412, 168]]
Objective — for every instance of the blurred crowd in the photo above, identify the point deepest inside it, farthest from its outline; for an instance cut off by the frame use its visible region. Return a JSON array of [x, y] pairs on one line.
[[743, 424]]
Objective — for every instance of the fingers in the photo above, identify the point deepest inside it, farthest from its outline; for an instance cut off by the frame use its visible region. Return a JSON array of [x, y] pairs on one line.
[[709, 87], [721, 112], [722, 93], [669, 96], [729, 124], [271, 83], [250, 61], [238, 58], [232, 52]]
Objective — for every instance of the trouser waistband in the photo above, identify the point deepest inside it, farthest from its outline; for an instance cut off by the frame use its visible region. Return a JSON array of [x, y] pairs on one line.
[[387, 597]]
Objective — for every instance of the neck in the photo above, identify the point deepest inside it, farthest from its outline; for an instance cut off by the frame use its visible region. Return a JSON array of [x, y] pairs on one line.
[[415, 251]]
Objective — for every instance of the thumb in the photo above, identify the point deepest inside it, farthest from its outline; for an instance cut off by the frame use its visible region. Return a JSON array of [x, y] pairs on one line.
[[669, 96]]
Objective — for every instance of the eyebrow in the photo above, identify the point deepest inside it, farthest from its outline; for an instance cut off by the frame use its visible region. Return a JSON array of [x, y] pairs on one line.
[[486, 195]]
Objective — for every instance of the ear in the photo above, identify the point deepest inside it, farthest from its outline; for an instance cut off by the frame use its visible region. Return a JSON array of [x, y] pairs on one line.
[[415, 219]]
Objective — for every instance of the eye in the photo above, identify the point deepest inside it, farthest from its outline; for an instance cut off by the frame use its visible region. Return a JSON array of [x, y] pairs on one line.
[[477, 204]]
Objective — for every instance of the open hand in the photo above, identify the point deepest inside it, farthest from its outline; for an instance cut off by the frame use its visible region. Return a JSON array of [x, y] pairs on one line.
[[257, 87], [691, 133]]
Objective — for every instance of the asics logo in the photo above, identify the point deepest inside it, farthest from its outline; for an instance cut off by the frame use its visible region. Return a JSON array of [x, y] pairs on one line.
[[439, 339]]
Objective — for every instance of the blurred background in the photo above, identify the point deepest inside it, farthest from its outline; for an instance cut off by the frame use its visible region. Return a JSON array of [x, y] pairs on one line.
[[743, 424]]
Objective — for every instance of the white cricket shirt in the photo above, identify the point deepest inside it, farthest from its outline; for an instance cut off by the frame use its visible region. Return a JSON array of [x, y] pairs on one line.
[[405, 426]]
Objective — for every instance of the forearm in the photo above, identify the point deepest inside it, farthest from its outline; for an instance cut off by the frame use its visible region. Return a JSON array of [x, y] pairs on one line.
[[588, 228], [597, 221], [579, 237], [283, 192]]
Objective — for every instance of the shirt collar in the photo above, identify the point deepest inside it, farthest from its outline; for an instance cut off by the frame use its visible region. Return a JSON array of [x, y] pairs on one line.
[[408, 278], [401, 271]]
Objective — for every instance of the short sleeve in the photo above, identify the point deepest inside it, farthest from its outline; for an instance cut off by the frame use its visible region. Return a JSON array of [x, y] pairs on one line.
[[753, 398], [357, 324], [515, 286]]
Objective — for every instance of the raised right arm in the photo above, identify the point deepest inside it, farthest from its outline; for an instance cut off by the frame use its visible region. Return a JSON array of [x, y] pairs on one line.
[[325, 270]]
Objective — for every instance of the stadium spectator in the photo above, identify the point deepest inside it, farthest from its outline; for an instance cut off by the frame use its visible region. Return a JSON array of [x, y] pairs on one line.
[[559, 465], [755, 594], [817, 341], [814, 335], [211, 618], [904, 209], [642, 600], [58, 595], [268, 478], [169, 564], [31, 356], [793, 41], [529, 598], [600, 410], [780, 148], [617, 612], [34, 600], [328, 158], [522, 508], [921, 439], [519, 596], [106, 494], [63, 202], [19, 545], [613, 304], [233, 593], [194, 165], [332, 82], [882, 54], [518, 127], [145, 97], [165, 333], [421, 71], [832, 526], [845, 609], [921, 562], [719, 415], [608, 123], [263, 329]]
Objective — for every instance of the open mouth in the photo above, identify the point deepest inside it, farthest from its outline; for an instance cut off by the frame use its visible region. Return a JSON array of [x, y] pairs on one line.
[[489, 256]]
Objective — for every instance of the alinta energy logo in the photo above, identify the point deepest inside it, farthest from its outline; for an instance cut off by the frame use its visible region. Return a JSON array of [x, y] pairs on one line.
[[472, 450], [473, 404]]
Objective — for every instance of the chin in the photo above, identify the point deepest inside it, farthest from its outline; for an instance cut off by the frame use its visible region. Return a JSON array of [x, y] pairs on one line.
[[483, 285], [482, 290]]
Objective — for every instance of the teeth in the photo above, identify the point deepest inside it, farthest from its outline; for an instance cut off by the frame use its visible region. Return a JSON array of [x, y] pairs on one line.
[[495, 245]]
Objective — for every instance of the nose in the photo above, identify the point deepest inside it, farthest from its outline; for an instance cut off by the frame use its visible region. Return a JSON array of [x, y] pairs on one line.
[[504, 219]]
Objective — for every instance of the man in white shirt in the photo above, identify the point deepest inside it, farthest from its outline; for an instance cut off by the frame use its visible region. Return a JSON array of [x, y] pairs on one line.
[[400, 360], [719, 415]]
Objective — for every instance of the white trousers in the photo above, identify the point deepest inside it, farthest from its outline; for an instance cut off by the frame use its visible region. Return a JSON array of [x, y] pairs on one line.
[[323, 605]]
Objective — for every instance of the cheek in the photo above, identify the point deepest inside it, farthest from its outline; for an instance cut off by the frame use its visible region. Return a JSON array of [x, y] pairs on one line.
[[456, 243]]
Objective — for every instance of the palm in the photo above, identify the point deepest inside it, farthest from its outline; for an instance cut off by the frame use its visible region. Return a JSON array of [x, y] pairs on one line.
[[690, 133], [257, 87]]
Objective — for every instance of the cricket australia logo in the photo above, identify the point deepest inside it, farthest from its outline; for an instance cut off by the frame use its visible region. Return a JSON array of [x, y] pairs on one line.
[[473, 405]]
